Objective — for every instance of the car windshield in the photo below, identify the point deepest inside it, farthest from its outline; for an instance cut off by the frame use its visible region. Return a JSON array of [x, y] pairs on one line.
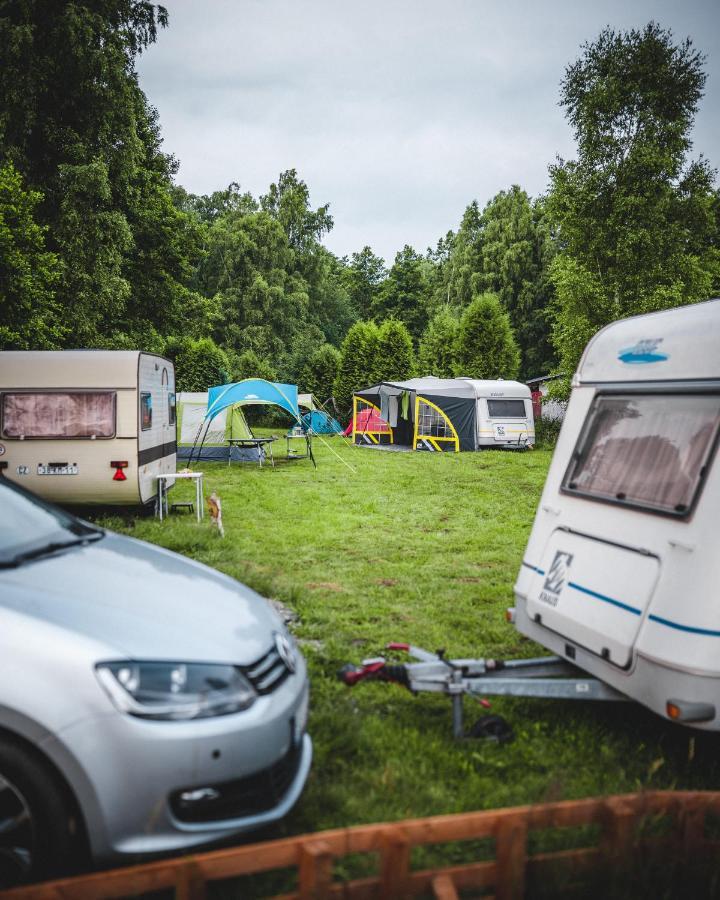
[[29, 527]]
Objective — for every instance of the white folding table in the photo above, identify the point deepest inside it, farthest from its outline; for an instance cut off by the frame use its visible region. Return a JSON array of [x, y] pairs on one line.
[[162, 481]]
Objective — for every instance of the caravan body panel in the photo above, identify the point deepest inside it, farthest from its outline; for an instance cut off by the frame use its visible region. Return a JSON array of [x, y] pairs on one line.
[[66, 415], [666, 570]]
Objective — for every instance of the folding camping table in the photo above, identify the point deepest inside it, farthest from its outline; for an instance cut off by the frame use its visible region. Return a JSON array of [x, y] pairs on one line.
[[253, 442], [162, 481], [296, 434]]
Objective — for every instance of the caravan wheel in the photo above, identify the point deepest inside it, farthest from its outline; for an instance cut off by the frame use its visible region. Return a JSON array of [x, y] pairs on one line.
[[492, 728]]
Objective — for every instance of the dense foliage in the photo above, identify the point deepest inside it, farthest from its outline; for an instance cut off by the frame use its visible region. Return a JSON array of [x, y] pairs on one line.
[[485, 345], [636, 220], [99, 248]]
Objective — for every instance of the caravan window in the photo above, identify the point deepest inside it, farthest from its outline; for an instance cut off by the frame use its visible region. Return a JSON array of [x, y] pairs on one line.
[[171, 409], [57, 415], [145, 410], [650, 451], [506, 409]]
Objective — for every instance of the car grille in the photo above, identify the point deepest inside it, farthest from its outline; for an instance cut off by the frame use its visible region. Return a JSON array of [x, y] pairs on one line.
[[267, 673], [242, 797]]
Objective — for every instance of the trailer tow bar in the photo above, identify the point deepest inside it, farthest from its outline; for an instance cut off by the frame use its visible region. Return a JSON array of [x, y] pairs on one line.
[[548, 677]]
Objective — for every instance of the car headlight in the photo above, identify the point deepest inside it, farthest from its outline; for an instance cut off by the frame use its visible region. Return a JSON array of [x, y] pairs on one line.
[[173, 690]]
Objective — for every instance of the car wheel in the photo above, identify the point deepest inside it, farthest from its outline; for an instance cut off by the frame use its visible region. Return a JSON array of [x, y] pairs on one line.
[[37, 825]]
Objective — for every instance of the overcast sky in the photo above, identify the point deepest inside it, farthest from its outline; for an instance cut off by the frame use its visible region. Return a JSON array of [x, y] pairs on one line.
[[396, 112]]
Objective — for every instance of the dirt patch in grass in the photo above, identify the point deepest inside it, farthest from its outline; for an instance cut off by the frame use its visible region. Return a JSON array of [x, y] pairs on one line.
[[325, 586]]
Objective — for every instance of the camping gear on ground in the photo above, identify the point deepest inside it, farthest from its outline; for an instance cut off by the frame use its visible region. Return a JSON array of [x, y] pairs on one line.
[[262, 445], [250, 392], [87, 426], [230, 424], [620, 574], [444, 414]]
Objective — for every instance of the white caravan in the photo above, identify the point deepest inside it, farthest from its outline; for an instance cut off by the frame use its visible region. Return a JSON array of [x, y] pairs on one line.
[[621, 573], [504, 413], [87, 426]]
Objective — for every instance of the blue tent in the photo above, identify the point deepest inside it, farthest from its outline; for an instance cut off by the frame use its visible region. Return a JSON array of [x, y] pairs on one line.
[[254, 392], [319, 422]]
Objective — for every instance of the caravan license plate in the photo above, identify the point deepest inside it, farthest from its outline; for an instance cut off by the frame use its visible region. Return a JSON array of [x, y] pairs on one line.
[[58, 470]]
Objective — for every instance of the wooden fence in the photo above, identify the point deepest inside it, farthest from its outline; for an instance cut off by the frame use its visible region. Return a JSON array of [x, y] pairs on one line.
[[679, 824]]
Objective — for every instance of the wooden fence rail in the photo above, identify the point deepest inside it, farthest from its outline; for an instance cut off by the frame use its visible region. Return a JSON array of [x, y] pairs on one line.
[[621, 822]]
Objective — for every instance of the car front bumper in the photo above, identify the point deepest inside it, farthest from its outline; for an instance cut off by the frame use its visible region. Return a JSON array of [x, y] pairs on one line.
[[148, 787]]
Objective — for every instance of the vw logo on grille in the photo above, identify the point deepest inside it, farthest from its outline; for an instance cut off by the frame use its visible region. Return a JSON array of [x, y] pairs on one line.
[[285, 651]]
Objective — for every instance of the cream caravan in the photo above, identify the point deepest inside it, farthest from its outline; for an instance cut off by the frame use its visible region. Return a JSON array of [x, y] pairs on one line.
[[621, 572], [87, 426]]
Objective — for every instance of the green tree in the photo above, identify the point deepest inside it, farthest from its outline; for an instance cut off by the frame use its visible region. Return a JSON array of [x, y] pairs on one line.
[[199, 364], [405, 293], [464, 265], [486, 347], [75, 123], [515, 251], [249, 365], [248, 270], [288, 202], [437, 350], [635, 219], [320, 371], [358, 366], [364, 274], [29, 319], [395, 355]]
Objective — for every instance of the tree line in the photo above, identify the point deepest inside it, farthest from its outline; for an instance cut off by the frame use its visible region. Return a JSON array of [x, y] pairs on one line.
[[99, 247]]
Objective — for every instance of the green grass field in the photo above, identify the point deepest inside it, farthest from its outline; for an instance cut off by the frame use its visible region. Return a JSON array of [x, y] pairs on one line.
[[420, 548]]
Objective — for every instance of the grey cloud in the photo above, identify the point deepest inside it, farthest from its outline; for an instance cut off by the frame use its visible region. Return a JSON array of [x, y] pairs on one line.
[[398, 113]]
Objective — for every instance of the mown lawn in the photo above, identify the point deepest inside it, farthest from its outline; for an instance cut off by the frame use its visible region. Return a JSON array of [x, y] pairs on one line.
[[420, 548]]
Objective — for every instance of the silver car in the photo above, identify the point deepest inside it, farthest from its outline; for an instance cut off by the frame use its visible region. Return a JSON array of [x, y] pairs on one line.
[[147, 703]]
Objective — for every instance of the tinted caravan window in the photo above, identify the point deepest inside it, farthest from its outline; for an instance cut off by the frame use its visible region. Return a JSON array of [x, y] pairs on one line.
[[506, 409], [650, 452], [58, 414], [145, 411]]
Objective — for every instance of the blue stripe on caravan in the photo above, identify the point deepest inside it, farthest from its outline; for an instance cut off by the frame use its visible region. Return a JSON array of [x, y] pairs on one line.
[[534, 568], [625, 606], [688, 628]]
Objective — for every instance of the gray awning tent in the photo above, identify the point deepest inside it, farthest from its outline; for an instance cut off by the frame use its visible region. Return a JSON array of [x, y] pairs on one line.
[[423, 413]]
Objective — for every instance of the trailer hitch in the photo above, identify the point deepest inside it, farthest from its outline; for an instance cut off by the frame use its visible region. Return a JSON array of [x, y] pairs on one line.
[[549, 677]]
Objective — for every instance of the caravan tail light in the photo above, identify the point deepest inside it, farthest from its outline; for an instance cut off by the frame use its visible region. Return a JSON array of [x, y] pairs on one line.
[[119, 465]]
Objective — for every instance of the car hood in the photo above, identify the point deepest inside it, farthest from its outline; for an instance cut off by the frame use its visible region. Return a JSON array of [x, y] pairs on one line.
[[143, 602]]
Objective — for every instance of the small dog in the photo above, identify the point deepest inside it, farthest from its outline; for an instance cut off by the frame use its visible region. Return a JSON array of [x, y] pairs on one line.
[[215, 510]]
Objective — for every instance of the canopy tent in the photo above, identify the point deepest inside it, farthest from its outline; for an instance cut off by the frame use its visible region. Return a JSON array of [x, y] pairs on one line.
[[319, 422], [229, 424], [252, 392], [443, 414]]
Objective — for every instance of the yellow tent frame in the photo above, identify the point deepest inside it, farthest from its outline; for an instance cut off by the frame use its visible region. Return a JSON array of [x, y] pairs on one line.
[[433, 440], [371, 434]]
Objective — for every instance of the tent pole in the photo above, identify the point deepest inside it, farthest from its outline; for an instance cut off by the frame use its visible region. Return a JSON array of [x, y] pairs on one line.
[[333, 450]]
